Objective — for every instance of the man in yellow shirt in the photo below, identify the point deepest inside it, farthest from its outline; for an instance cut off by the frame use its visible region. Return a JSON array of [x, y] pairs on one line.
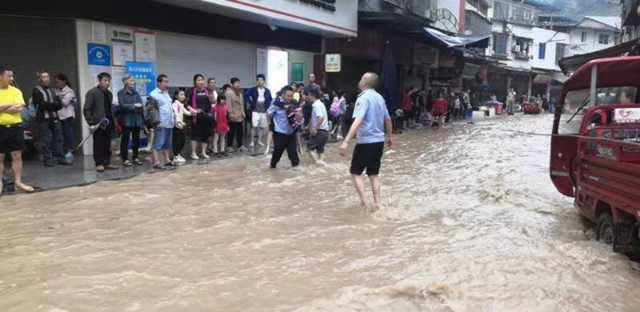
[[11, 129]]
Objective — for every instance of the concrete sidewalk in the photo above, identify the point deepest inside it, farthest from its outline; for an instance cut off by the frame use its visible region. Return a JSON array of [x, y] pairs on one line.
[[83, 171]]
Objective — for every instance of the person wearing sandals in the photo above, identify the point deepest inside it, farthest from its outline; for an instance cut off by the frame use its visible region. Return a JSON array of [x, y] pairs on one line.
[[11, 129], [162, 132], [199, 99], [131, 119]]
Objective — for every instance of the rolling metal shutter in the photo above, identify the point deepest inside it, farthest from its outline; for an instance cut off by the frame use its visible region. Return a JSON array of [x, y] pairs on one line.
[[185, 56], [32, 44]]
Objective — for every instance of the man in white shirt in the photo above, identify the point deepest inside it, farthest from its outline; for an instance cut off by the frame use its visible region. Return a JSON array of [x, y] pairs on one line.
[[511, 98], [318, 127]]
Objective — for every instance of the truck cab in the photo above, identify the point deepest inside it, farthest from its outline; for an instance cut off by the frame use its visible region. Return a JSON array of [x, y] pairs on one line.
[[595, 148]]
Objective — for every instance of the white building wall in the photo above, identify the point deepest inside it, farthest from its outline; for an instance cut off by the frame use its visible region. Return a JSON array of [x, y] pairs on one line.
[[85, 81], [591, 43], [552, 39], [511, 30]]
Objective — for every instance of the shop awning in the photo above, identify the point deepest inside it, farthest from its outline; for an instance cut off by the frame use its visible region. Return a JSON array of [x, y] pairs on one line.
[[560, 77], [449, 41], [572, 63], [542, 79]]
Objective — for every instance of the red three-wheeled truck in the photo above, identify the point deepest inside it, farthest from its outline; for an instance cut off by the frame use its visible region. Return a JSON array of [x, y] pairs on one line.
[[595, 148]]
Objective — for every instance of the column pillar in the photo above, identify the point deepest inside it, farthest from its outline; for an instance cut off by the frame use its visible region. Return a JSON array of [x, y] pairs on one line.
[[548, 91]]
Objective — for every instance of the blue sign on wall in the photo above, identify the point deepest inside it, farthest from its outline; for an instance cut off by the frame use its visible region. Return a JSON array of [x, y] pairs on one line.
[[99, 54], [145, 75]]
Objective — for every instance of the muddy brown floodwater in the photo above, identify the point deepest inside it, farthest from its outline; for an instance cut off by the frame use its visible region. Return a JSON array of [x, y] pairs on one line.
[[471, 223]]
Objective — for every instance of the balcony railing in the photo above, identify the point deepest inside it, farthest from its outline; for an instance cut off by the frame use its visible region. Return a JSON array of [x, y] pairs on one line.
[[424, 8], [403, 4], [515, 13]]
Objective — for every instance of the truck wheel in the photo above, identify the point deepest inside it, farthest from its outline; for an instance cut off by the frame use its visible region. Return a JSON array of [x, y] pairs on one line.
[[605, 228]]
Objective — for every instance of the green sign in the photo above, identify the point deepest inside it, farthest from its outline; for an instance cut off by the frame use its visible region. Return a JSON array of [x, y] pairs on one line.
[[297, 71]]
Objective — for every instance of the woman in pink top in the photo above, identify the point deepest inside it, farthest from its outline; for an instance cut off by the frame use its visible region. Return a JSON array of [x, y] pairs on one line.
[[220, 115], [68, 112]]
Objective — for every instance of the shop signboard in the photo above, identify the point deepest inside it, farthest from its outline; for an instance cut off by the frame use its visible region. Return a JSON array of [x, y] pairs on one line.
[[144, 74], [122, 35], [99, 54], [297, 71], [337, 17], [274, 65], [277, 67], [470, 71], [145, 46], [332, 63]]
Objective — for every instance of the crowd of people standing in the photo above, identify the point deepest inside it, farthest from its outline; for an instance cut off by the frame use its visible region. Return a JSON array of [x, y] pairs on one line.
[[433, 104], [213, 122]]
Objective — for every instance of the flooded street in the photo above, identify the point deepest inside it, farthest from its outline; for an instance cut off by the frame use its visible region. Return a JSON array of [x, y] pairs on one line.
[[471, 223]]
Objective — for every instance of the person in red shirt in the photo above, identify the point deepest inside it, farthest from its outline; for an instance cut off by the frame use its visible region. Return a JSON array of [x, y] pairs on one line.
[[440, 106], [220, 113], [407, 107]]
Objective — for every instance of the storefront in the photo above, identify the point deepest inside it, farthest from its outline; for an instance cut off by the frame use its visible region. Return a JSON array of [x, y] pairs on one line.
[[33, 44], [222, 40]]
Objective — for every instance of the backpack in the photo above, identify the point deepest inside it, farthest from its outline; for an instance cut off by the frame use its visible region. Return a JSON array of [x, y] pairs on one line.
[[335, 109]]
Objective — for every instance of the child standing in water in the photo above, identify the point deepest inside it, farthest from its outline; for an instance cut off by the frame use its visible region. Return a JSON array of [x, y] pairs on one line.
[[220, 113]]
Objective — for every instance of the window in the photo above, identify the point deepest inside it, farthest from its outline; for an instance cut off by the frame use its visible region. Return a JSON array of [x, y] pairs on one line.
[[520, 48], [584, 36], [484, 9], [561, 49], [501, 11], [542, 51], [603, 39], [576, 98], [500, 44]]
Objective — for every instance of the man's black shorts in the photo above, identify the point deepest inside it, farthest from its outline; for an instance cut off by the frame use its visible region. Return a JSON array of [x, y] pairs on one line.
[[367, 156], [318, 141], [11, 139]]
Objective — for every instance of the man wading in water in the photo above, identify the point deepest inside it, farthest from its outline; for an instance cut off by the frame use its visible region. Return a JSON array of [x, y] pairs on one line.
[[370, 115]]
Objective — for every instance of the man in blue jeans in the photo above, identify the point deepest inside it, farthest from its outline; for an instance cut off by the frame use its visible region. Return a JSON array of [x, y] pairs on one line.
[[162, 133], [371, 117], [47, 104]]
